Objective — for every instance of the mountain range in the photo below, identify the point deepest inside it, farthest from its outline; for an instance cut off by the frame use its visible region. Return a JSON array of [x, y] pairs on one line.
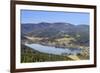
[[58, 29]]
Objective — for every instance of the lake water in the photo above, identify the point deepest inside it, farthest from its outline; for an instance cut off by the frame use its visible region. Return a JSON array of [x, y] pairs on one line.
[[53, 50]]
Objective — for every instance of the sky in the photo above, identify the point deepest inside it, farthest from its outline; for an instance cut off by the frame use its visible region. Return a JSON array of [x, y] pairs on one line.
[[33, 16]]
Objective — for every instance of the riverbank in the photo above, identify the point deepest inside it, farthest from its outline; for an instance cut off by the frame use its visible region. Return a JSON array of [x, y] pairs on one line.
[[65, 42], [29, 55], [61, 43]]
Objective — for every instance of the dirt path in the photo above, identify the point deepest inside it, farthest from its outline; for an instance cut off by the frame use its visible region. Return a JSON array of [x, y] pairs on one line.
[[74, 57]]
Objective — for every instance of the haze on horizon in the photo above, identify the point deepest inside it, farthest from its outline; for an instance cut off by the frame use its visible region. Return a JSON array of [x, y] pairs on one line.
[[34, 16]]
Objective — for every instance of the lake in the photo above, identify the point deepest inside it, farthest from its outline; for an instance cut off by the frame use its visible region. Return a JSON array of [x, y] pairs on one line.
[[53, 50]]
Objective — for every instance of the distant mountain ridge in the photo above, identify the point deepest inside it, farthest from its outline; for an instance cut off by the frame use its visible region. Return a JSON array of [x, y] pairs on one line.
[[49, 29]]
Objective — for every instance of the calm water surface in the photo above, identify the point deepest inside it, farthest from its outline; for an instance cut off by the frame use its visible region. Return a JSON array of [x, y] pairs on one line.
[[53, 50]]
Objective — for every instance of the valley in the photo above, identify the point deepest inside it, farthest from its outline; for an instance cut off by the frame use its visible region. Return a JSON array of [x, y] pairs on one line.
[[59, 35]]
